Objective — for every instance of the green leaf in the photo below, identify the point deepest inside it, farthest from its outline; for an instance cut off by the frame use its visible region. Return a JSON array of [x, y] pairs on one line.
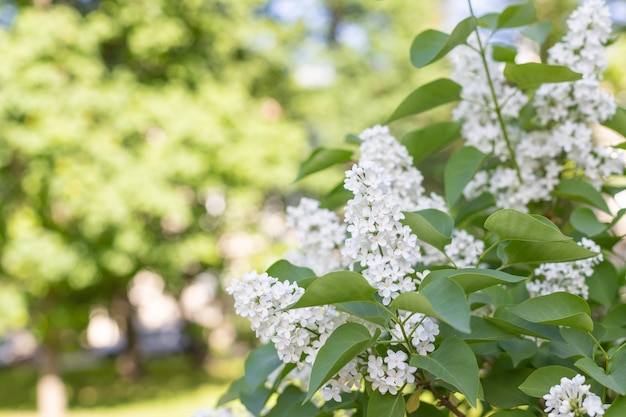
[[255, 400], [428, 410], [259, 364], [585, 221], [618, 121], [427, 97], [424, 142], [489, 20], [234, 391], [334, 288], [521, 252], [517, 15], [474, 279], [432, 45], [538, 32], [336, 198], [519, 349], [441, 298], [576, 343], [367, 311], [475, 207], [603, 284], [513, 413], [323, 158], [290, 403], [513, 323], [482, 330], [385, 405], [615, 380], [285, 271], [454, 363], [431, 226], [503, 53], [582, 191], [617, 409], [459, 171], [540, 381], [559, 309], [532, 75], [511, 224], [501, 387], [343, 345]]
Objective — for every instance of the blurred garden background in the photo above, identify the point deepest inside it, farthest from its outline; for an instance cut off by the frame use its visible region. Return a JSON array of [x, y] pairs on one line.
[[148, 150]]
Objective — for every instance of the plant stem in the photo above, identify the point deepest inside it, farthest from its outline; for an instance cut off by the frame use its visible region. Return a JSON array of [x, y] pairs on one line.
[[494, 97], [445, 402]]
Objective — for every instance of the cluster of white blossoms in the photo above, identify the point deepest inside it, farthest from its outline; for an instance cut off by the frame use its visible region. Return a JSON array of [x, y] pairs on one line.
[[565, 276], [421, 329], [564, 114], [391, 373], [320, 233], [572, 398]]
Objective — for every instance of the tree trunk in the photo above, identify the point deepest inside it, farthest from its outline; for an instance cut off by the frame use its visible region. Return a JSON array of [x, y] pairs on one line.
[[130, 362], [51, 392]]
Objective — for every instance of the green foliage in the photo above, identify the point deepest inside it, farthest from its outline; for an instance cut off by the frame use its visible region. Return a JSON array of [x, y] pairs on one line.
[[532, 75], [427, 97]]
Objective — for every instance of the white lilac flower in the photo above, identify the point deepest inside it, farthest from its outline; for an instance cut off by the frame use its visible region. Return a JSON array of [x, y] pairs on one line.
[[464, 249], [565, 276], [347, 379], [391, 373], [572, 398], [420, 329], [320, 233]]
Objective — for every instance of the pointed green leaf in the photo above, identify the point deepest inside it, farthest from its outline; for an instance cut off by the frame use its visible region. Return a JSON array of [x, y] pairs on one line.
[[290, 403], [343, 345], [336, 198], [582, 191], [603, 284], [482, 330], [615, 380], [431, 226], [519, 349], [576, 344], [454, 363], [432, 45], [427, 97], [517, 15], [501, 387], [441, 298], [532, 75], [503, 53], [424, 142], [259, 364], [618, 121], [323, 158], [475, 207], [511, 224], [334, 288], [540, 381], [513, 323], [538, 32], [385, 405], [459, 171], [286, 271], [617, 408], [371, 312], [474, 279], [585, 221], [559, 309], [520, 252]]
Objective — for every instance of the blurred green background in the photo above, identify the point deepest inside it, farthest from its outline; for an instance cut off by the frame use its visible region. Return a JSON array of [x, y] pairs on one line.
[[147, 151]]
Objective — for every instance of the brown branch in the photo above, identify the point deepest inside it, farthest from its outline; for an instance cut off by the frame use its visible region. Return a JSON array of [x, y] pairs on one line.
[[444, 401]]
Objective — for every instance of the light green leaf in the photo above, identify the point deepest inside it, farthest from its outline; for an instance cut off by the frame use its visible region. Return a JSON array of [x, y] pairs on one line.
[[432, 45], [511, 224], [385, 405], [585, 221], [532, 75], [559, 309], [582, 191], [259, 364], [617, 409], [474, 279], [618, 121], [343, 345], [336, 198], [441, 298], [615, 380], [321, 159], [520, 252], [431, 226], [454, 363], [424, 142], [427, 97], [517, 15], [603, 284], [513, 323], [285, 271], [334, 288], [503, 53], [540, 381], [538, 32], [459, 171], [371, 312]]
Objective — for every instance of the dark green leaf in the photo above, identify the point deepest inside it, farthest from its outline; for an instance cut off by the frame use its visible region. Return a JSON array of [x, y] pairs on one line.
[[501, 388], [503, 53], [603, 284], [424, 142], [532, 75], [259, 364], [323, 158], [432, 45], [559, 309], [290, 403], [519, 349], [255, 400], [236, 388], [367, 311], [538, 32], [513, 413], [584, 220], [343, 345], [618, 121], [336, 198], [431, 226], [511, 224], [512, 323], [385, 405], [520, 252], [454, 363], [617, 409], [441, 298], [540, 381], [475, 207], [459, 171], [582, 191], [285, 271], [428, 410], [334, 288], [615, 380], [576, 344], [517, 15], [482, 330], [474, 279], [427, 97]]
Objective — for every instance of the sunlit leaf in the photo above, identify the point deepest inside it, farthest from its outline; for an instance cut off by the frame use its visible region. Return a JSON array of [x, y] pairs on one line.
[[336, 287], [321, 159], [426, 97], [432, 45], [559, 309], [459, 171], [426, 141], [517, 15], [532, 75], [540, 381]]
